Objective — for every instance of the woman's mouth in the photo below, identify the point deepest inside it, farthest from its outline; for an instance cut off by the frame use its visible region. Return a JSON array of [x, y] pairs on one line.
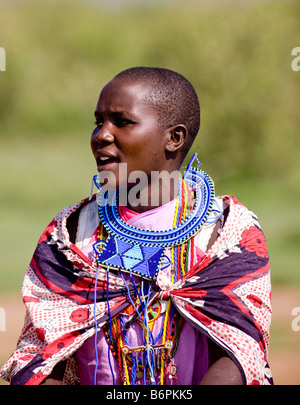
[[105, 162]]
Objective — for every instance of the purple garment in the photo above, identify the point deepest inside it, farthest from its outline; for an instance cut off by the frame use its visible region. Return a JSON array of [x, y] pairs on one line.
[[191, 356]]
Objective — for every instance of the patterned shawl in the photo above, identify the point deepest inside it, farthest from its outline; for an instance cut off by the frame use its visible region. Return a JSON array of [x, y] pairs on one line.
[[226, 296]]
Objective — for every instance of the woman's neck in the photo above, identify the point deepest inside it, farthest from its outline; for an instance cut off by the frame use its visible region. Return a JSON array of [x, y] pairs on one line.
[[162, 189]]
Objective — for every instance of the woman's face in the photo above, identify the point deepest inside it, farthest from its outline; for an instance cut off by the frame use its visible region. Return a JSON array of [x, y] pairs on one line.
[[127, 137]]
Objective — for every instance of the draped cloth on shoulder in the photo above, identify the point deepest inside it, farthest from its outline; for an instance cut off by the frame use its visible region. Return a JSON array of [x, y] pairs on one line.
[[226, 296]]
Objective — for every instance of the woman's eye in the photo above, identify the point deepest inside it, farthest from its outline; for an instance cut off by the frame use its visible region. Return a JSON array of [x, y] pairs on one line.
[[122, 122], [119, 122]]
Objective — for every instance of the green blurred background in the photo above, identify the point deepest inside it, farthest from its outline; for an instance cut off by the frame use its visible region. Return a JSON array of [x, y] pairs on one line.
[[237, 54]]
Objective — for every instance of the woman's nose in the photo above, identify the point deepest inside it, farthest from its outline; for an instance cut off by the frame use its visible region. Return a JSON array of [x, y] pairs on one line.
[[104, 134]]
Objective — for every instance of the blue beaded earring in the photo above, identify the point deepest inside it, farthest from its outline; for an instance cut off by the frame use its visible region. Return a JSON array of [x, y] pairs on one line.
[[95, 181]]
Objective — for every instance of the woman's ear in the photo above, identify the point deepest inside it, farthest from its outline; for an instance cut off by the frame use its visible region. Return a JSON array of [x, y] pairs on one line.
[[176, 137]]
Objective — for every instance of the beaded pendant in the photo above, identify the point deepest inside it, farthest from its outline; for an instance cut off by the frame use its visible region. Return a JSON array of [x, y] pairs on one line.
[[141, 251], [140, 260]]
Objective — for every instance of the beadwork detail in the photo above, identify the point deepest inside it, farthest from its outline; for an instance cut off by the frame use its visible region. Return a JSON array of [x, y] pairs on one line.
[[140, 251], [196, 179], [140, 260], [134, 361]]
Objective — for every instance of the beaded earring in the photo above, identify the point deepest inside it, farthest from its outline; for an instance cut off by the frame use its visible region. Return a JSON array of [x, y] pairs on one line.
[[95, 181]]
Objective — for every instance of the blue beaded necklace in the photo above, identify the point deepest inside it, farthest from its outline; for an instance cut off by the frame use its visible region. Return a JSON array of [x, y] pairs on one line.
[[140, 251]]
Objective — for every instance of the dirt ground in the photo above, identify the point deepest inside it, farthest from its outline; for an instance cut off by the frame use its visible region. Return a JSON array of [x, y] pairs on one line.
[[284, 355]]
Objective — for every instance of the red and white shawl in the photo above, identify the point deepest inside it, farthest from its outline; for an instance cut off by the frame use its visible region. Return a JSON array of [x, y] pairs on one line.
[[226, 296]]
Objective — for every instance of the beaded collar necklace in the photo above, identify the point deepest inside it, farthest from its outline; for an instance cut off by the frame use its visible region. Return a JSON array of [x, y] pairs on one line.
[[141, 251]]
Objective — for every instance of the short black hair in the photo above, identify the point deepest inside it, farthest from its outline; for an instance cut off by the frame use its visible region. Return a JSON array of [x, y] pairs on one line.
[[173, 97]]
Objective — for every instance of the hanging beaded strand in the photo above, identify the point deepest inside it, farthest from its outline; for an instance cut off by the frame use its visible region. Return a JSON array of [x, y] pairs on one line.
[[136, 358], [179, 253]]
